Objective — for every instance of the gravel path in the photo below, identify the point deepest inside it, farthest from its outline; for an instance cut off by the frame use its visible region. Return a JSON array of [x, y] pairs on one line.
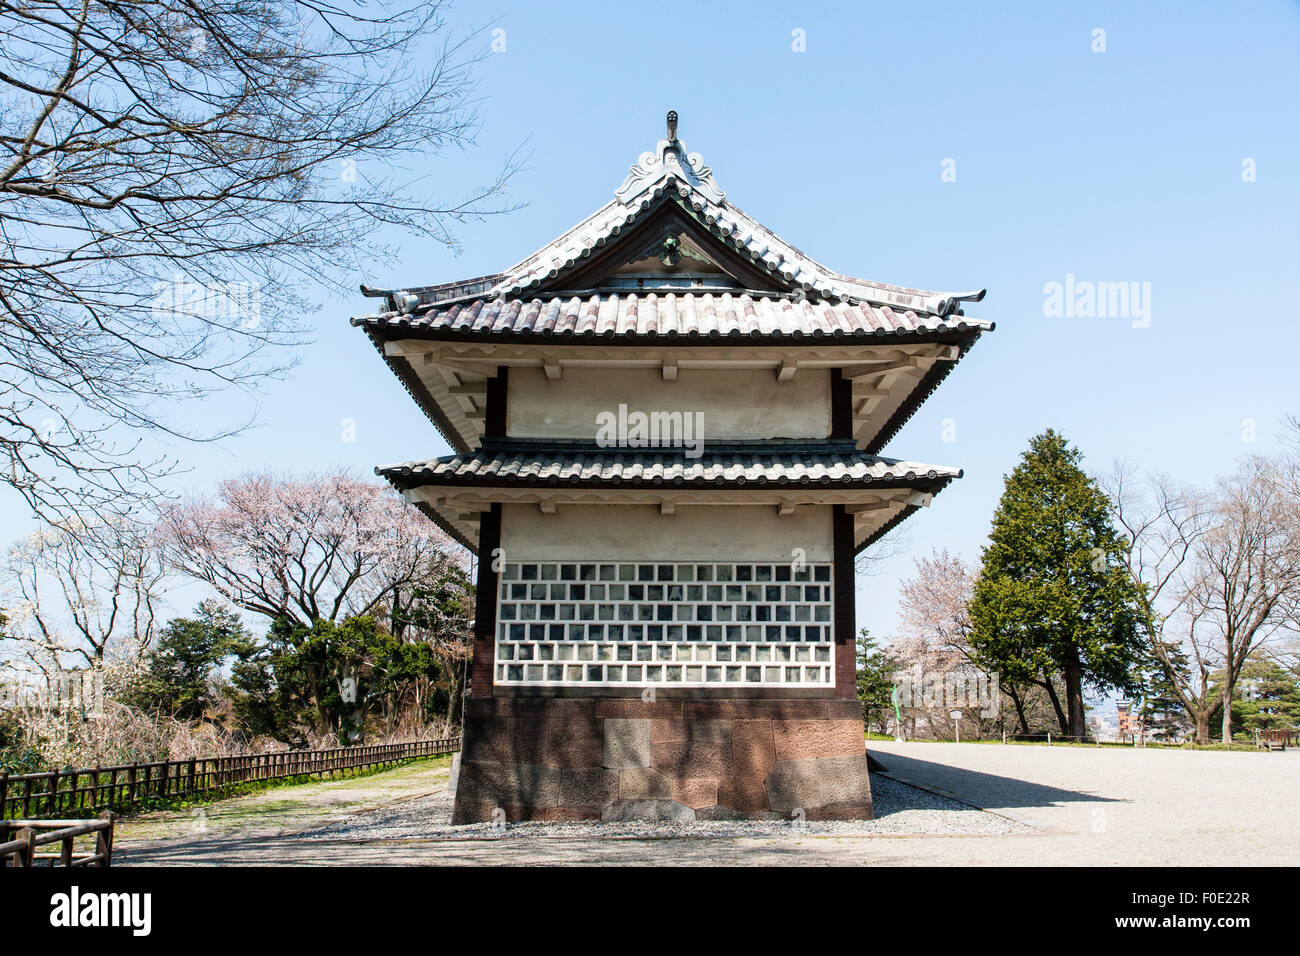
[[900, 809], [1051, 806]]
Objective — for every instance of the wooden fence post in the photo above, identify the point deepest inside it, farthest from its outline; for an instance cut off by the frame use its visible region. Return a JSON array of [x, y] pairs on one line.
[[26, 854], [104, 840], [4, 794], [52, 798]]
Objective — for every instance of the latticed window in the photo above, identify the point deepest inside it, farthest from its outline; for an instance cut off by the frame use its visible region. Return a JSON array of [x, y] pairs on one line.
[[683, 624]]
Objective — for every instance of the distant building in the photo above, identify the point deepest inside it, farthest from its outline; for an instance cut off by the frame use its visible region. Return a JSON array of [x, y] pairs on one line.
[[1127, 723]]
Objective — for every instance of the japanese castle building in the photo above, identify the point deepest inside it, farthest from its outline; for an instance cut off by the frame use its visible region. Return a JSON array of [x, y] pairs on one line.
[[667, 425]]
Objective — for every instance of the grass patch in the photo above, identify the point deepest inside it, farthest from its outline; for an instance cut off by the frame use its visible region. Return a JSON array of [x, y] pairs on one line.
[[189, 800], [186, 801]]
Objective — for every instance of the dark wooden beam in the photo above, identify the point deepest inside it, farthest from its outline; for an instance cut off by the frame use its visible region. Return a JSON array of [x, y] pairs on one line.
[[844, 613], [485, 603], [495, 418], [841, 405]]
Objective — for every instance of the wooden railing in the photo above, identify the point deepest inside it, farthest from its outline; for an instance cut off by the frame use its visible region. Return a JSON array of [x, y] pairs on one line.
[[66, 793], [19, 840]]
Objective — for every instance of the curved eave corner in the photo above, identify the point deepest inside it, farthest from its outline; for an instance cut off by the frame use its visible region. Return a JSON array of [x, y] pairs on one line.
[[401, 367]]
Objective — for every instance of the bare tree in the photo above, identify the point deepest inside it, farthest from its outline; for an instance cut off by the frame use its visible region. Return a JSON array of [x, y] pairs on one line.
[[1165, 523], [934, 632], [1246, 584], [80, 595], [173, 173], [323, 547]]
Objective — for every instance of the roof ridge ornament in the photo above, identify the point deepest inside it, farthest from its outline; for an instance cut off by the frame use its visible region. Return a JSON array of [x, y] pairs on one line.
[[669, 164]]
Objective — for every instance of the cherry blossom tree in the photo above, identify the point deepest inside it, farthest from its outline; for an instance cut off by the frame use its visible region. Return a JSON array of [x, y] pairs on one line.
[[324, 547]]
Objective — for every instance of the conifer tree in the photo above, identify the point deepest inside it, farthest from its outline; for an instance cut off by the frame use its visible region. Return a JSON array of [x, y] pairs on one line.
[[1053, 597]]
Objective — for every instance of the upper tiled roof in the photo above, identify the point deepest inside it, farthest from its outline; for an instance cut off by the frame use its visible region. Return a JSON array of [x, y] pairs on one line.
[[688, 314], [519, 461], [670, 174]]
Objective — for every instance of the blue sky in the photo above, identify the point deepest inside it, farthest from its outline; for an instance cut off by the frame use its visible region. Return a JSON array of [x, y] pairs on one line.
[[1123, 165]]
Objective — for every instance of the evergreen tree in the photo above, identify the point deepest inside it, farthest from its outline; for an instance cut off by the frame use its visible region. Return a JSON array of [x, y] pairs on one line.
[[1161, 708], [875, 683], [1053, 595], [1267, 696], [177, 678]]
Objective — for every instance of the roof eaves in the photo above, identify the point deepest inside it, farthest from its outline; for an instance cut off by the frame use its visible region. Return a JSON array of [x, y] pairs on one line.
[[419, 393], [925, 387]]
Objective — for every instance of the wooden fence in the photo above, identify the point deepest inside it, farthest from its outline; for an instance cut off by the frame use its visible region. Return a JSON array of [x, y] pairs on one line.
[[28, 835], [66, 793]]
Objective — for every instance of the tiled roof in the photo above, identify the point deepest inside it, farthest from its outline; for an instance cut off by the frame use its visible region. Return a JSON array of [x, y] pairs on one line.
[[670, 174], [686, 314], [523, 462]]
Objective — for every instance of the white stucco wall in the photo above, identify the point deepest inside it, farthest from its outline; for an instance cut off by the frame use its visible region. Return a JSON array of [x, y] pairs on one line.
[[640, 532], [737, 404]]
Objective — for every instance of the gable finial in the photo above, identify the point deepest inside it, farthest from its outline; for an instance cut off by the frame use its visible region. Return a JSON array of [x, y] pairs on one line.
[[672, 126]]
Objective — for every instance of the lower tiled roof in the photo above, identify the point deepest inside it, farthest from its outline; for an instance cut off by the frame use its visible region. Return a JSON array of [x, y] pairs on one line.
[[791, 462]]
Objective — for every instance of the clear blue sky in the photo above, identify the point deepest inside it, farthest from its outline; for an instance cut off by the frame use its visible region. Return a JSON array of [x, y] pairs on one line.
[[1117, 166]]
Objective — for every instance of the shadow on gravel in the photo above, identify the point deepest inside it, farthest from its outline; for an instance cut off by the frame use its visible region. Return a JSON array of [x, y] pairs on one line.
[[985, 790]]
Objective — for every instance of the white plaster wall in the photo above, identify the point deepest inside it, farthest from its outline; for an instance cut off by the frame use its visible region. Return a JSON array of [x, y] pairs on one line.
[[640, 532], [737, 404]]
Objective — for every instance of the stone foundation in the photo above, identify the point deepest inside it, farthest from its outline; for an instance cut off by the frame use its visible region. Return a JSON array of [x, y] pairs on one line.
[[602, 759]]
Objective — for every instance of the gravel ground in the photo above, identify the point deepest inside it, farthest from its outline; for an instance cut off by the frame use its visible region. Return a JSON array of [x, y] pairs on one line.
[[1075, 806], [900, 810]]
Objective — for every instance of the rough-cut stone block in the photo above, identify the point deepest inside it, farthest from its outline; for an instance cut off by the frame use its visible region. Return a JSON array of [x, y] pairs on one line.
[[696, 792], [485, 738], [453, 778], [644, 785], [638, 708], [757, 758], [714, 731], [550, 708], [794, 785], [746, 795], [792, 709], [565, 741], [800, 739], [474, 811], [687, 758], [589, 789], [667, 728], [844, 710], [752, 749], [627, 743], [484, 786], [844, 782], [666, 811]]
